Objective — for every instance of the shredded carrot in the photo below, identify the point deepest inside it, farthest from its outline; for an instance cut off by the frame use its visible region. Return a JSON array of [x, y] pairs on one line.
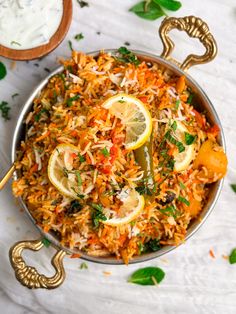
[[212, 253], [40, 138]]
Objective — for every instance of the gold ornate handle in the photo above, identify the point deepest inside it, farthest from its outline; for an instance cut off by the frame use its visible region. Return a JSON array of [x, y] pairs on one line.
[[7, 177], [28, 275], [195, 28]]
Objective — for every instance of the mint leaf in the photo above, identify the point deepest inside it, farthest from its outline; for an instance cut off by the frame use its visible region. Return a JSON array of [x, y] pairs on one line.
[[151, 12], [171, 5], [148, 276]]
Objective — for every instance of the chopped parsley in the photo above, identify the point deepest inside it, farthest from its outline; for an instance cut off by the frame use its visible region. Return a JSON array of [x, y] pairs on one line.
[[127, 56], [69, 101], [105, 152], [3, 71], [182, 186], [79, 36], [183, 200], [189, 138], [5, 109]]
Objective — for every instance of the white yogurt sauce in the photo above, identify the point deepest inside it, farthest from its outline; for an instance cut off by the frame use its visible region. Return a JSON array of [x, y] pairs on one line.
[[26, 24]]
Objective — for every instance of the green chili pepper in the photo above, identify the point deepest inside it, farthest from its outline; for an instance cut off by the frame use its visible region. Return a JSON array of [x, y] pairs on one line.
[[143, 156]]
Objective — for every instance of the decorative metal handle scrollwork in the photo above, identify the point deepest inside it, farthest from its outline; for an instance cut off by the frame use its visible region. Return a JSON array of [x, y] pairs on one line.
[[28, 275], [195, 28]]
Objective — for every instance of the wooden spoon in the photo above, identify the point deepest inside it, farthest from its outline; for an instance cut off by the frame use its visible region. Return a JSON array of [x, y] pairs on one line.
[[40, 51]]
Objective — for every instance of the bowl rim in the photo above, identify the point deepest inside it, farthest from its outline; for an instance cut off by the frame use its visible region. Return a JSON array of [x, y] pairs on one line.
[[143, 257], [42, 50]]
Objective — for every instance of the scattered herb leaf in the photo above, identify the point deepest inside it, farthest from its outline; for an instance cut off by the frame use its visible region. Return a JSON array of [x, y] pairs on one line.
[[233, 186], [78, 176], [82, 3], [3, 71], [183, 200], [4, 109], [169, 211], [38, 115], [232, 257], [14, 95], [182, 186], [83, 266], [74, 208], [15, 43], [70, 45], [69, 101], [190, 98], [189, 138], [81, 158], [127, 56], [105, 152], [177, 103], [97, 214], [148, 276], [79, 36], [46, 242]]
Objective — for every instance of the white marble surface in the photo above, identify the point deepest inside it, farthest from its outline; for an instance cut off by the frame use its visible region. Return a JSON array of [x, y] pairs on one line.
[[195, 282]]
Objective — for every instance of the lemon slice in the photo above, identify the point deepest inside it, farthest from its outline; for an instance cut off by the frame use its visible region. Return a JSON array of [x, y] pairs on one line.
[[61, 172], [183, 159], [132, 204], [134, 115]]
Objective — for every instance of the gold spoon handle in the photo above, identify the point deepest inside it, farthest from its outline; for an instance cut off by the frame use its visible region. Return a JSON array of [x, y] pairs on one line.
[[7, 177]]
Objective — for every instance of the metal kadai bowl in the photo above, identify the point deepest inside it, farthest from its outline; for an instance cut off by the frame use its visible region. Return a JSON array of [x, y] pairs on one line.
[[194, 27]]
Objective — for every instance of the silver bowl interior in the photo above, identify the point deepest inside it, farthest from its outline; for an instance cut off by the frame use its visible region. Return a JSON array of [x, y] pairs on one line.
[[201, 102]]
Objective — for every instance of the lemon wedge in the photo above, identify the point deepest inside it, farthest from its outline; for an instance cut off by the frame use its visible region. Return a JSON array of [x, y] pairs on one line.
[[61, 172], [132, 204], [183, 159], [134, 115]]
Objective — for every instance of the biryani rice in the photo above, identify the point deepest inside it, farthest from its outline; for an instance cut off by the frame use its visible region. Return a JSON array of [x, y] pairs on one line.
[[59, 116]]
